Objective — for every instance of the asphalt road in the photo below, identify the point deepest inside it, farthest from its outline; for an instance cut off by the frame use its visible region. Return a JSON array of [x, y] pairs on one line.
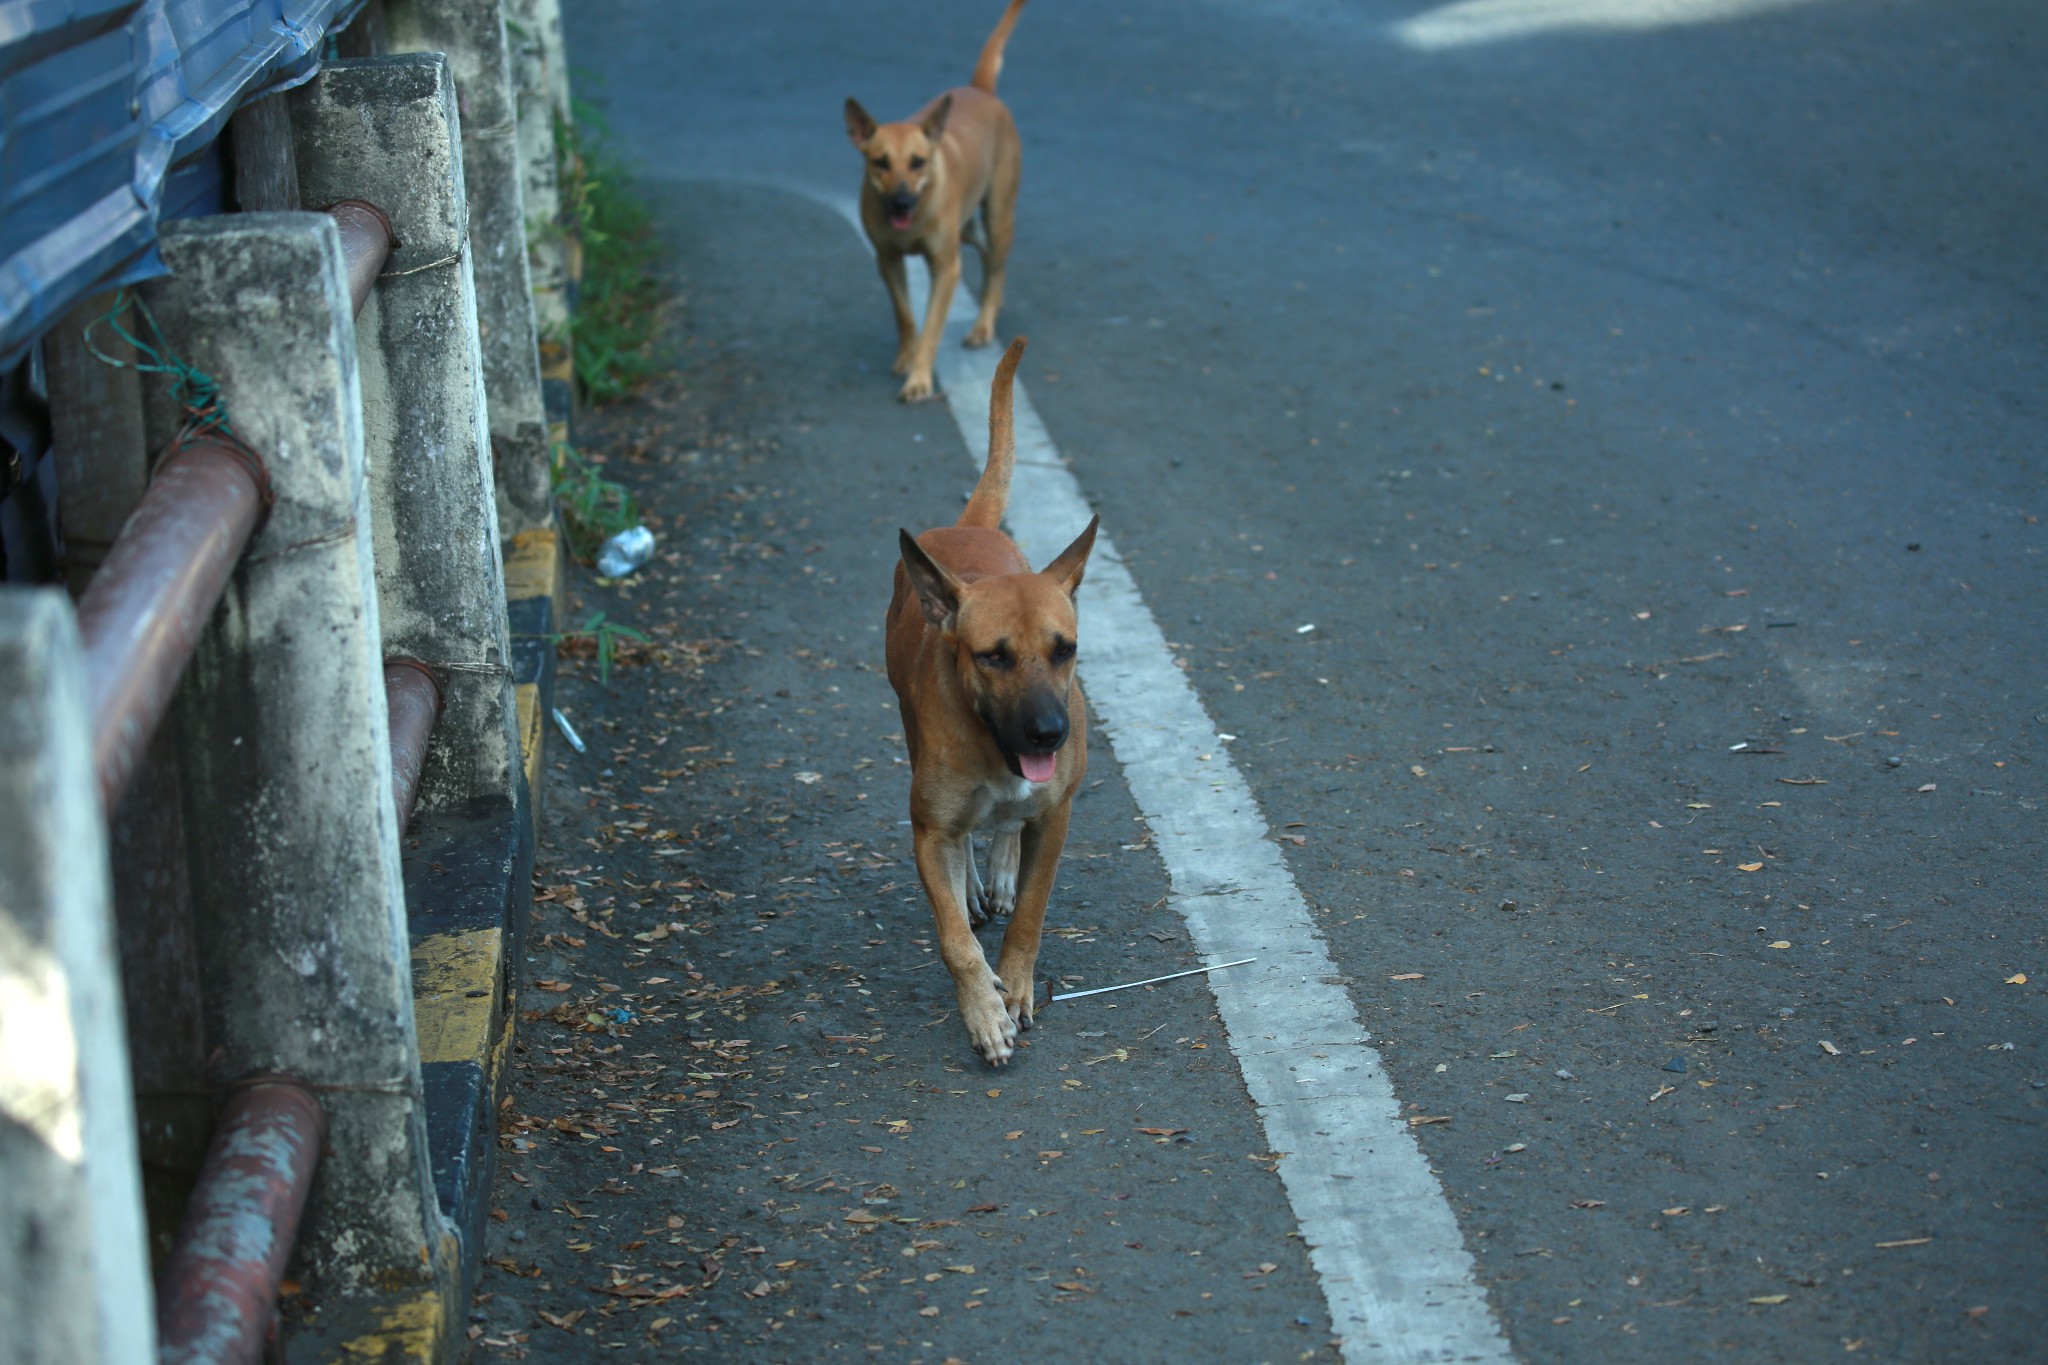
[[1648, 418]]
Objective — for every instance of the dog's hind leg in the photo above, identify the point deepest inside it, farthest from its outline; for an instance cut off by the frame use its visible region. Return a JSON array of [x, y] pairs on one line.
[[998, 224], [999, 897], [974, 232], [977, 898]]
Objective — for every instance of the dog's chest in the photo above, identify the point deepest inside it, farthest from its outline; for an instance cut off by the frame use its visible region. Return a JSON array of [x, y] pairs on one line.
[[1007, 802]]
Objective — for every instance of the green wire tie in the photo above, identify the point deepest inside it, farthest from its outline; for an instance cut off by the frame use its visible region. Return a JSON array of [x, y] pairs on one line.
[[191, 387]]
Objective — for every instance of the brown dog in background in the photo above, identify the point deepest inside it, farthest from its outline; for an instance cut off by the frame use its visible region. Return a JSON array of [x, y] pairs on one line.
[[981, 654], [944, 176]]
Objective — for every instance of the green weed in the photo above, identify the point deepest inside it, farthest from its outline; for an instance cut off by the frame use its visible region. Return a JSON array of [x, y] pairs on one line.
[[618, 301], [594, 508], [604, 637]]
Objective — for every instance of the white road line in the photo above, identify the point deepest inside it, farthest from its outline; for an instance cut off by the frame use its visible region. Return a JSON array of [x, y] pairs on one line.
[[1381, 1235]]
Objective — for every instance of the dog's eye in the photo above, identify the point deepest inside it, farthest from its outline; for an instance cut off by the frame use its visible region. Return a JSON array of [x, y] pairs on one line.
[[998, 659], [917, 163], [881, 163], [1063, 651]]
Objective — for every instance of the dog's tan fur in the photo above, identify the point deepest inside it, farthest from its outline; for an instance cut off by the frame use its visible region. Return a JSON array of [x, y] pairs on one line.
[[981, 654], [946, 175]]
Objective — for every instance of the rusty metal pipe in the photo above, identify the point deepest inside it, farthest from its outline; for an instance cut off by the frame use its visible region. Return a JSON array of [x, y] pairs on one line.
[[412, 696], [366, 243], [152, 595], [219, 1291]]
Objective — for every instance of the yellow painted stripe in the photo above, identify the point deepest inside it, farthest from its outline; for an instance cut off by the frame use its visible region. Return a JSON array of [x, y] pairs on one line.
[[534, 566], [410, 1329], [532, 739], [454, 991]]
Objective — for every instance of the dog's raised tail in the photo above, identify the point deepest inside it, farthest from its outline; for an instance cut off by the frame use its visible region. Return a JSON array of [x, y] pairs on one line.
[[991, 64], [991, 497]]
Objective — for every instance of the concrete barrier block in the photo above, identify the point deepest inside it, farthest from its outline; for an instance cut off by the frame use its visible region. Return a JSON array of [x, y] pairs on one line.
[[74, 1268], [385, 130], [527, 25], [284, 752], [472, 34]]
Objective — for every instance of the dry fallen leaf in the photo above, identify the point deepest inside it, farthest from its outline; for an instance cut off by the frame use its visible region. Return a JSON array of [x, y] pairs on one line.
[[1781, 943], [2016, 979], [1770, 1298], [1830, 1048], [1750, 867], [1406, 976]]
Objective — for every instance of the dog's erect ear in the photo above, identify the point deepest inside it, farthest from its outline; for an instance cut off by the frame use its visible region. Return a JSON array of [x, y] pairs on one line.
[[859, 126], [938, 592], [934, 124], [1073, 561]]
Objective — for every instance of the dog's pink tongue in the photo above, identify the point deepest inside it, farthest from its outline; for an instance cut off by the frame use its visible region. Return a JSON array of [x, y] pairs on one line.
[[1036, 767]]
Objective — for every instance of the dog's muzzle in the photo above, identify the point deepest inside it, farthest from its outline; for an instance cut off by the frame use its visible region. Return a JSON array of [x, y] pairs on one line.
[[900, 206], [1031, 736]]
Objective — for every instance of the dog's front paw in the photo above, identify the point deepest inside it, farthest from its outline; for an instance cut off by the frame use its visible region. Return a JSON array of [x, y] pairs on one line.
[[1019, 1004], [990, 1027], [919, 388], [980, 335]]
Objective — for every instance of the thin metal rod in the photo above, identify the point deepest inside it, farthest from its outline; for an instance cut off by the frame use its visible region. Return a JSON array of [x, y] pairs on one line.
[[1154, 980], [153, 594], [219, 1291], [412, 697]]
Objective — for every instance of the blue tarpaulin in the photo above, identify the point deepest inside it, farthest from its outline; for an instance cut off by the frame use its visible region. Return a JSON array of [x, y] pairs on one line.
[[102, 102]]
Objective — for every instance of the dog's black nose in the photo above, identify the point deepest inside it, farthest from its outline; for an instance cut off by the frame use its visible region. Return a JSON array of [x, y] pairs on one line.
[[1045, 729], [901, 202]]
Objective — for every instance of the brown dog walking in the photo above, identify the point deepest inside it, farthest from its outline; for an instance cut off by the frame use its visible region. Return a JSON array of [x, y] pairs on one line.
[[981, 654], [946, 175]]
